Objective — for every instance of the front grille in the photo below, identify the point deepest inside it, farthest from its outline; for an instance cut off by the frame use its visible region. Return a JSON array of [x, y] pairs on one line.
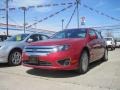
[[38, 63], [39, 50]]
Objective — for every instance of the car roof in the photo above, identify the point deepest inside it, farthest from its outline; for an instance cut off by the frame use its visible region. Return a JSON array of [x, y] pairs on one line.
[[77, 28], [28, 33], [108, 37]]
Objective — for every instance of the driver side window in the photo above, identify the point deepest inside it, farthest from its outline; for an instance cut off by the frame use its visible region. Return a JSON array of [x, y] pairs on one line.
[[34, 38]]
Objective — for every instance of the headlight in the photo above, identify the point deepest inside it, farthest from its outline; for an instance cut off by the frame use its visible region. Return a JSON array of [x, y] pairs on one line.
[[61, 48], [111, 42]]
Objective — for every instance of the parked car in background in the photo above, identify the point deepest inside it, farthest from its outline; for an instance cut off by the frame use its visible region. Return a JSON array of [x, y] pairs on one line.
[[11, 49], [110, 42], [3, 37], [72, 49], [118, 43]]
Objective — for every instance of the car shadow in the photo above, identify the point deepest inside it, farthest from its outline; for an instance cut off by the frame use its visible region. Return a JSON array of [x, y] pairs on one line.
[[3, 65], [95, 64], [52, 73], [60, 74]]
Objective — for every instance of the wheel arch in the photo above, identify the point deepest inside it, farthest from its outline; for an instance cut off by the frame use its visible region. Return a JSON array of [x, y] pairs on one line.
[[15, 49], [88, 51], [80, 70]]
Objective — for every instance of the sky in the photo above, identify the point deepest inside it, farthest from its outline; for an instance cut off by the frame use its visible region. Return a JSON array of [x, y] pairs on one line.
[[92, 19]]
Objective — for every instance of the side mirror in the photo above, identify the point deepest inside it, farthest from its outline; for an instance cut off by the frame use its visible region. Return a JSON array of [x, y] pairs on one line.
[[93, 37], [30, 40]]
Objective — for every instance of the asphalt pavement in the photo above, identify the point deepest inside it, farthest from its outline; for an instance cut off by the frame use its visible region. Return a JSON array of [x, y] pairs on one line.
[[101, 76]]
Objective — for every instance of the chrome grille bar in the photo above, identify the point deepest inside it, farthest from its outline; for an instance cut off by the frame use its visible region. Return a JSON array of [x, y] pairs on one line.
[[39, 50]]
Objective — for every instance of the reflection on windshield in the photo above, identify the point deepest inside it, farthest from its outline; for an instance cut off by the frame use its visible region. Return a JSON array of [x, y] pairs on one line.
[[77, 33], [19, 37]]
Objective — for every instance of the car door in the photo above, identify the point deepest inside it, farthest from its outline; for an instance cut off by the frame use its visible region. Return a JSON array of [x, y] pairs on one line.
[[101, 44], [94, 52]]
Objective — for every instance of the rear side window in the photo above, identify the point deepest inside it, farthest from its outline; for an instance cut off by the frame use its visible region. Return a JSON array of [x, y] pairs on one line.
[[99, 35], [19, 37], [92, 33], [43, 37]]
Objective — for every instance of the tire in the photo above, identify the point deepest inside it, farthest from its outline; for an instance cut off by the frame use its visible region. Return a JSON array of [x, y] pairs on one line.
[[114, 48], [111, 48], [105, 56], [14, 58], [83, 63]]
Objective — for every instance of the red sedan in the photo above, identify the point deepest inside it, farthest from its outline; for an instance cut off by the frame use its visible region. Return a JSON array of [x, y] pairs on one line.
[[72, 49]]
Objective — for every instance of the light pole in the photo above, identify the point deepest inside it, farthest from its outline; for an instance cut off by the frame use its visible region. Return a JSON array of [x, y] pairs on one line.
[[7, 17], [78, 23], [24, 12], [62, 24]]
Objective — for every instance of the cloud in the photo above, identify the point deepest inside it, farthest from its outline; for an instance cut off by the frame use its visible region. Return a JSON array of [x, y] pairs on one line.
[[26, 3], [100, 4], [19, 3], [45, 9]]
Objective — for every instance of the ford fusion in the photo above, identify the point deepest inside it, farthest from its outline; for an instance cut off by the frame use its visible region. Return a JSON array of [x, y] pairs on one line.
[[72, 49]]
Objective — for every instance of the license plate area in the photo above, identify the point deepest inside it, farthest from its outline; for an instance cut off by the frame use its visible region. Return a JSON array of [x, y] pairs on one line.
[[33, 60]]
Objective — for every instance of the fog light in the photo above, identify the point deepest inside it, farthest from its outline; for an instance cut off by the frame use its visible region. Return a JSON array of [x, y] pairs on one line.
[[64, 62]]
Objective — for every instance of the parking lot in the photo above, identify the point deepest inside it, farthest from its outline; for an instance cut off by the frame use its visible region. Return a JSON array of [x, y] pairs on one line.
[[101, 76]]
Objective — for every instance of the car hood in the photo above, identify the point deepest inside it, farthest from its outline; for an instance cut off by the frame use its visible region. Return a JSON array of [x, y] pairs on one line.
[[109, 42], [51, 42]]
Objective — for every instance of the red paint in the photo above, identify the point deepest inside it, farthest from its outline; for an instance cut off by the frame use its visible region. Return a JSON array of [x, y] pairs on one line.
[[96, 48]]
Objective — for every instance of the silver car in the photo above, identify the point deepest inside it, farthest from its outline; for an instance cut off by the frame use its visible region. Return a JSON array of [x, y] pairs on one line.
[[11, 49]]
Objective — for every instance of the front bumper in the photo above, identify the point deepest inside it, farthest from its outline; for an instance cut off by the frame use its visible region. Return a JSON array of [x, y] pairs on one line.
[[3, 57], [52, 67], [51, 61], [3, 60], [4, 52]]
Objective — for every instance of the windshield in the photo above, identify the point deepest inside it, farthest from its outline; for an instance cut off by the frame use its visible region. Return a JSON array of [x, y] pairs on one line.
[[19, 37], [74, 33], [108, 39]]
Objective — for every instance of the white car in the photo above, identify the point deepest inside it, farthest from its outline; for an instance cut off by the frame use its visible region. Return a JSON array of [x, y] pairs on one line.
[[110, 42], [11, 49], [118, 44]]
